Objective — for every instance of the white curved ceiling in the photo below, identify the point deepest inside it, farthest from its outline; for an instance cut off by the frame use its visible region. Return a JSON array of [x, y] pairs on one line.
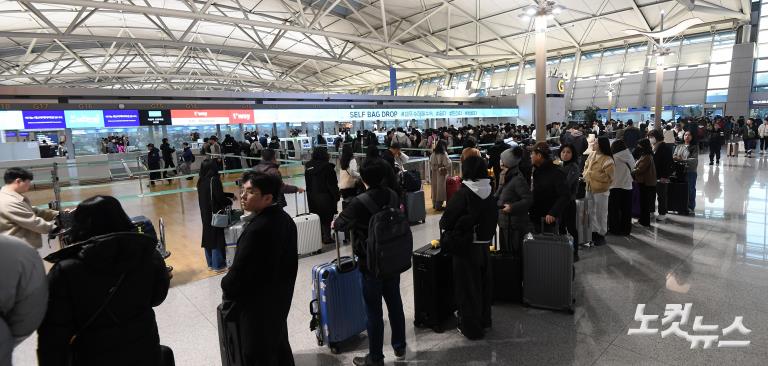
[[303, 45]]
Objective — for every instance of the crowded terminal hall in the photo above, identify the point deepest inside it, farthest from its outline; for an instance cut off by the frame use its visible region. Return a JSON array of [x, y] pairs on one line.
[[371, 182]]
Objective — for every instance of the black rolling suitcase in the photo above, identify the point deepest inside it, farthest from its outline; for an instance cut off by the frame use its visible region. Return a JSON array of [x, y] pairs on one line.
[[507, 273], [230, 343], [677, 197], [432, 288]]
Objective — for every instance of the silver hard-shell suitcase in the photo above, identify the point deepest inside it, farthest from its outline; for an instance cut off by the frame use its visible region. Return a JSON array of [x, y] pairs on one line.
[[309, 236], [548, 271], [582, 222]]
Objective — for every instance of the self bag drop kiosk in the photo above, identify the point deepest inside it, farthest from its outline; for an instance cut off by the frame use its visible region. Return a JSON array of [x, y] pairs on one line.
[[296, 147]]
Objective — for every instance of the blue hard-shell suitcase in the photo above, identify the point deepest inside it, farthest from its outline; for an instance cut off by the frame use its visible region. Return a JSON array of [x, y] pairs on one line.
[[337, 306]]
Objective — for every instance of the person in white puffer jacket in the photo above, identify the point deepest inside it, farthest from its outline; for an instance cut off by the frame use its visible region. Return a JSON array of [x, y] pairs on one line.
[[620, 199], [762, 133]]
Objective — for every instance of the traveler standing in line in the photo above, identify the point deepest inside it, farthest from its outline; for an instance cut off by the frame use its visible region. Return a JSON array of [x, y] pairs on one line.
[[631, 135], [349, 175], [716, 138], [620, 196], [322, 190], [212, 199], [18, 217], [188, 158], [762, 133], [268, 164], [514, 199], [749, 134], [469, 225], [570, 166], [215, 151], [102, 291], [688, 152], [645, 176], [598, 174], [167, 152], [550, 192], [662, 161], [270, 233], [355, 218], [438, 165], [153, 163], [23, 294]]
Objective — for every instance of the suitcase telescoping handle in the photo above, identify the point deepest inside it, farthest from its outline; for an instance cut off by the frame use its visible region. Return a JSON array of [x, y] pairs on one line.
[[556, 225], [296, 202], [338, 251]]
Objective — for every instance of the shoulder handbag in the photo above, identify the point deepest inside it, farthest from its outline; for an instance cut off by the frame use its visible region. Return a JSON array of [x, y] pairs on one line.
[[71, 344], [221, 218]]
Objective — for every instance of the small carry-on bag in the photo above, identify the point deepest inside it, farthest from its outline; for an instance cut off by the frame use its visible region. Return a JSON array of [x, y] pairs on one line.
[[582, 222], [415, 207], [507, 272], [231, 236], [337, 306], [548, 271], [410, 180], [452, 185], [432, 287], [309, 238]]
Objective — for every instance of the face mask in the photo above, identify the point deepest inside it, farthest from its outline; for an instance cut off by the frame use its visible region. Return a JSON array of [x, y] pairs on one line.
[[652, 140]]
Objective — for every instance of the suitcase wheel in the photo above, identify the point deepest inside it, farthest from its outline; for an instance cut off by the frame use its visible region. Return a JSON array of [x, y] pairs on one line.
[[335, 349], [418, 324], [437, 329]]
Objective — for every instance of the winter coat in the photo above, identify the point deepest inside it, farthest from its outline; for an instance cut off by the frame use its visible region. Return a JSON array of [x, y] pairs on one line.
[[645, 171], [438, 162], [623, 165], [631, 136], [125, 333], [167, 152], [262, 294], [572, 174], [153, 159], [211, 198], [689, 154], [517, 193], [23, 294], [473, 199], [188, 156], [322, 188], [550, 193], [20, 219], [598, 172], [349, 177], [662, 160], [273, 169]]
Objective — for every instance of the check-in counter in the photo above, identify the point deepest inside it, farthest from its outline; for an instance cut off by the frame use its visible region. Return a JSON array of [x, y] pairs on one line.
[[40, 168], [93, 167]]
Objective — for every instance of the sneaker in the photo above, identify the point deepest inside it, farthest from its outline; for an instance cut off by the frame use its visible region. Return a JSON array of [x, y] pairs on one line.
[[400, 354], [366, 361], [661, 217]]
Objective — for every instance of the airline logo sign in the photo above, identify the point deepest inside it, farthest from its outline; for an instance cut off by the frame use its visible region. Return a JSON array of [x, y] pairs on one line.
[[182, 117]]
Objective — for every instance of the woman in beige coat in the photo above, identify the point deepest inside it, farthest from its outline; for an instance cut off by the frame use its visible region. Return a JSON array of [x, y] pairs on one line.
[[438, 165]]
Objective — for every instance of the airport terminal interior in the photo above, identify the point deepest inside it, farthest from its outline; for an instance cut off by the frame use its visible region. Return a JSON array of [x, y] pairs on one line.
[[89, 90]]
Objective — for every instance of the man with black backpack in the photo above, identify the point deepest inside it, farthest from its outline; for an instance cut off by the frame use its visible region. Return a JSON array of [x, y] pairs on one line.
[[378, 227]]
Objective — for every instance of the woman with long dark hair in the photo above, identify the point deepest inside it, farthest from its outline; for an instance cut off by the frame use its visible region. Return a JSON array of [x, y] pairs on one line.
[[349, 177], [570, 166], [212, 198], [598, 174], [322, 190], [101, 292], [645, 176], [439, 165]]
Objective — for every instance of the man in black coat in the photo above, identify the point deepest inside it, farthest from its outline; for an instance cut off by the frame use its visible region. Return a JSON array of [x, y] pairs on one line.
[[631, 135], [261, 290], [153, 163], [167, 151], [550, 192], [662, 159]]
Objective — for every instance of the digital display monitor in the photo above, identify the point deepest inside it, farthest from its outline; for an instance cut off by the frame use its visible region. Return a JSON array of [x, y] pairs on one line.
[[44, 120], [84, 119], [155, 117], [121, 118], [11, 120]]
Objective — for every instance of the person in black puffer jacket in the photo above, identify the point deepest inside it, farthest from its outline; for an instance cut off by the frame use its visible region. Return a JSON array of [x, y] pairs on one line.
[[570, 166], [469, 222], [514, 199], [113, 267], [550, 193], [322, 190]]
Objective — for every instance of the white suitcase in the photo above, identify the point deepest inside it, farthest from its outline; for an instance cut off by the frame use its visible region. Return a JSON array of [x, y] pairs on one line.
[[231, 236], [309, 238]]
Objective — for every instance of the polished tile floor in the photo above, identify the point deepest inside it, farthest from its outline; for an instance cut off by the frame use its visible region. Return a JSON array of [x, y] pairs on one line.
[[716, 260]]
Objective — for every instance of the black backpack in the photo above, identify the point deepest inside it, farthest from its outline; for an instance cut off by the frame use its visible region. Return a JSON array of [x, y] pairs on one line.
[[390, 241], [410, 180]]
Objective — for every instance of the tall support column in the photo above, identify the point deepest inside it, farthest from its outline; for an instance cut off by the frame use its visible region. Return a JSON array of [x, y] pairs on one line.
[[541, 82], [610, 104], [659, 92]]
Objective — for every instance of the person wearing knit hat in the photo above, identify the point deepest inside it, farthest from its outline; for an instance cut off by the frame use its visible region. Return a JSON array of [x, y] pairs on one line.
[[514, 198]]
